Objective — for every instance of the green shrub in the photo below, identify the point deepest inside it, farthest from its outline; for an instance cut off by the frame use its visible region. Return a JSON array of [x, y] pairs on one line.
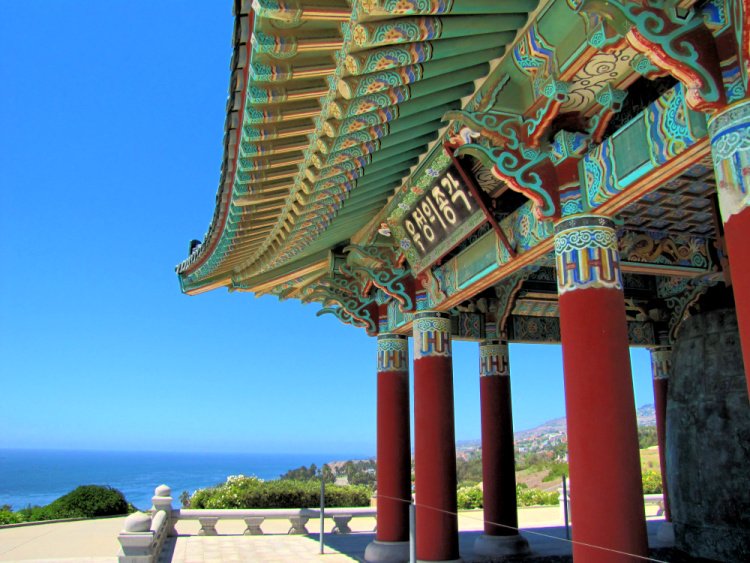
[[651, 482], [90, 501], [86, 501], [534, 497], [9, 517], [469, 498], [251, 492], [37, 513], [556, 472], [468, 483]]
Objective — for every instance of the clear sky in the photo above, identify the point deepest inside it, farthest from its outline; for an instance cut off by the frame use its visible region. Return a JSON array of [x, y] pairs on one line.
[[111, 122]]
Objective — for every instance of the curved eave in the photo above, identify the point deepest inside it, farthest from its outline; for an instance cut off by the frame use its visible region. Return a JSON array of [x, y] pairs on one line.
[[201, 253], [333, 118]]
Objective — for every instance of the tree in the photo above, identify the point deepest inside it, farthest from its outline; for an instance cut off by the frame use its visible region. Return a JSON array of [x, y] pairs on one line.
[[469, 471], [327, 474], [302, 473], [647, 437]]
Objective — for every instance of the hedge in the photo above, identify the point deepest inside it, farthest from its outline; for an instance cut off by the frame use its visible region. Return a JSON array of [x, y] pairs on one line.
[[470, 498], [86, 501], [251, 492]]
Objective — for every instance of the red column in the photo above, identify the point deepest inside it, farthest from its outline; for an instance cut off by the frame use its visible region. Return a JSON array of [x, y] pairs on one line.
[[660, 366], [501, 535], [605, 472], [434, 438], [730, 148], [394, 452]]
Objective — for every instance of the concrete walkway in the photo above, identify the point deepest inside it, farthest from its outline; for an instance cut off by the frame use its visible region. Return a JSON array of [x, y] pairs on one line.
[[95, 541], [88, 541], [543, 540]]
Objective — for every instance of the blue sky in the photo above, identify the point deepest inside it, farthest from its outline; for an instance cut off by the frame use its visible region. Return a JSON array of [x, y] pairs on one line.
[[111, 117]]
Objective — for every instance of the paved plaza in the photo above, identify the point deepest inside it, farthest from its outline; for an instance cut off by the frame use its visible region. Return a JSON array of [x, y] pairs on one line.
[[95, 541]]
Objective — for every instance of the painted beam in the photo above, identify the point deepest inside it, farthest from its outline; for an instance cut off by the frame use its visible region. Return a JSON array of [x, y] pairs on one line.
[[394, 56], [368, 161], [397, 141], [369, 121], [408, 30], [362, 85], [381, 8]]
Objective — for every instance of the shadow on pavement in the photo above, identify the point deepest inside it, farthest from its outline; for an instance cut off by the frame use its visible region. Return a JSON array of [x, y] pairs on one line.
[[352, 545]]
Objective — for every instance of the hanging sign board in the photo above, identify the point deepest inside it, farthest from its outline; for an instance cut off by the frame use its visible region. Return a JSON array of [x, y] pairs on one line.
[[436, 213], [439, 212]]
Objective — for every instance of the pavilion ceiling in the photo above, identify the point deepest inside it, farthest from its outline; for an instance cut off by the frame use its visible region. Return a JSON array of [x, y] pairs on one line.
[[331, 105], [684, 205]]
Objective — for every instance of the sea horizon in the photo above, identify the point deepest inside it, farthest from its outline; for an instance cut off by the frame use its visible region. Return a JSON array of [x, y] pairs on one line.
[[37, 476]]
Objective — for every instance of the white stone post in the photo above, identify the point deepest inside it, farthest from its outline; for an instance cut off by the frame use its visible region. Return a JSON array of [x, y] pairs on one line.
[[162, 500], [136, 539]]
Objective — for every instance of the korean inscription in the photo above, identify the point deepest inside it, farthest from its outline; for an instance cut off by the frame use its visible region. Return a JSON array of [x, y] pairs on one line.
[[439, 212]]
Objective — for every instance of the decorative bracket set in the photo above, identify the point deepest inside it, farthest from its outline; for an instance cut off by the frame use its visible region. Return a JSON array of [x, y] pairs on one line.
[[537, 153], [349, 292]]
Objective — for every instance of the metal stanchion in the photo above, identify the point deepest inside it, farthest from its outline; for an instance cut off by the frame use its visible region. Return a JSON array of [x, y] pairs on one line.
[[322, 512], [565, 507], [412, 533]]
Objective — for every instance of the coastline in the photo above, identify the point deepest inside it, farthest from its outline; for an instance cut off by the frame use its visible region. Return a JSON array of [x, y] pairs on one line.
[[37, 477]]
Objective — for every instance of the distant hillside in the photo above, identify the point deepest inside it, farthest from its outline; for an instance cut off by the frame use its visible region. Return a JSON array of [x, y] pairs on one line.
[[554, 426], [645, 415]]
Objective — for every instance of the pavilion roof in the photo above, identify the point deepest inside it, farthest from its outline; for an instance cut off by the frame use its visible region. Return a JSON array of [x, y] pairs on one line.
[[331, 105]]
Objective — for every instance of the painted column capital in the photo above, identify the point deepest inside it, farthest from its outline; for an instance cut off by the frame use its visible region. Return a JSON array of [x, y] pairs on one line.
[[393, 352], [432, 334], [661, 362], [729, 131], [586, 254], [493, 358]]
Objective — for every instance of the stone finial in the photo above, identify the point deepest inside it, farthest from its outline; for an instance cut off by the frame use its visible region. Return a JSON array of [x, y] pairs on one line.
[[137, 522], [163, 491], [162, 500]]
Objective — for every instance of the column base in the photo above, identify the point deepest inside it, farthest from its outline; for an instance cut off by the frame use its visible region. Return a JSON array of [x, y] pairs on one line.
[[666, 533], [387, 552], [500, 546]]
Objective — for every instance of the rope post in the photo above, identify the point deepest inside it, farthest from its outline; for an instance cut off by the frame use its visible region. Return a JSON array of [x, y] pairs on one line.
[[565, 507], [412, 533], [322, 512]]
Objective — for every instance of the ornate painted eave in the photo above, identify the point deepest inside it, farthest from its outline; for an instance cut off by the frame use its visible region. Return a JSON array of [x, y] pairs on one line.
[[330, 107], [341, 140]]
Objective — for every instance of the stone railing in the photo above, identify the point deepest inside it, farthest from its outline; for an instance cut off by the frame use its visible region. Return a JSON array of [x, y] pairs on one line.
[[254, 518], [653, 499], [143, 535]]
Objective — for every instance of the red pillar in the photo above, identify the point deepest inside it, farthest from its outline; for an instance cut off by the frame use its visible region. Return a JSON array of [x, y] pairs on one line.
[[730, 148], [394, 452], [501, 535], [434, 438], [660, 366], [605, 472]]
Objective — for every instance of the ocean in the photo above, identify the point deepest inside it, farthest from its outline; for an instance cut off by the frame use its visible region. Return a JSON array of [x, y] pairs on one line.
[[37, 477]]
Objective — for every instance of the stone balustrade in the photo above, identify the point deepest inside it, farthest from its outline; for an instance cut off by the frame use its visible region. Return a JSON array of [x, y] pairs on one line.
[[648, 500], [254, 518], [143, 535], [657, 499]]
